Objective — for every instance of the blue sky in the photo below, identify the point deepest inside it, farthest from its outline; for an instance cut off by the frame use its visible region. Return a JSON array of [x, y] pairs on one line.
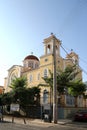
[[25, 23]]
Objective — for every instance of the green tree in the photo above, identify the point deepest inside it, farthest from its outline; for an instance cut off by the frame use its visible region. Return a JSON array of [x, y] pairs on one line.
[[34, 94], [76, 88], [6, 98], [64, 77], [18, 85], [21, 93], [25, 96]]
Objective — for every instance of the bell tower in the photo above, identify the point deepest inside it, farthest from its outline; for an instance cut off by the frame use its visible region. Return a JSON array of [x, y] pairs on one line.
[[48, 45], [46, 60]]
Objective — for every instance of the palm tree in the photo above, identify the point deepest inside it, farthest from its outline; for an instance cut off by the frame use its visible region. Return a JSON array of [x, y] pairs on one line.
[[18, 86], [20, 82], [22, 93], [64, 77]]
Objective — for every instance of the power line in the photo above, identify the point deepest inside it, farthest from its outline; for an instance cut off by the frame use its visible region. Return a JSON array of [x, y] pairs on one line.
[[72, 59], [83, 60], [63, 47]]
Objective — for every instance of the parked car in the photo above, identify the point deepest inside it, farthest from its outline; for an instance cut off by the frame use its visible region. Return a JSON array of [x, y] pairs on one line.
[[80, 115]]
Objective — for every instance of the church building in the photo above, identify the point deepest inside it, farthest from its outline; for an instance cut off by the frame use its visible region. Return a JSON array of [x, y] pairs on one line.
[[35, 68]]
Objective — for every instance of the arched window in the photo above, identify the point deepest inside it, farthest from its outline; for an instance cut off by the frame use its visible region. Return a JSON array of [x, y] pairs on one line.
[[45, 73], [48, 50]]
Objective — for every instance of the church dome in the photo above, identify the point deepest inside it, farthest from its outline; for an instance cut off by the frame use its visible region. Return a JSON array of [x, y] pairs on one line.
[[31, 57]]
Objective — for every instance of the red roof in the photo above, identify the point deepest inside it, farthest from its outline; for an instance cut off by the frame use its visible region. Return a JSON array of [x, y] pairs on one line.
[[31, 57]]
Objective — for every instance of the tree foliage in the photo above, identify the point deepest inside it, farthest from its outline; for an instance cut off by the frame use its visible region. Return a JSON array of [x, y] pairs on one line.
[[76, 88], [18, 83], [21, 94], [48, 81], [64, 77], [66, 82]]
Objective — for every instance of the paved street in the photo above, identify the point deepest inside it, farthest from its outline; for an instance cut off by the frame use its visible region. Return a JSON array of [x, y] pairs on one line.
[[15, 126], [35, 124]]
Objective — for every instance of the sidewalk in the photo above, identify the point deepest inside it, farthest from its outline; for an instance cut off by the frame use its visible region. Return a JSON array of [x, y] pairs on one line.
[[33, 121], [36, 122]]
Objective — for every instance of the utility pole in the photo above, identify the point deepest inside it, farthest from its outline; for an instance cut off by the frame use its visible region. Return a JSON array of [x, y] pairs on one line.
[[54, 83]]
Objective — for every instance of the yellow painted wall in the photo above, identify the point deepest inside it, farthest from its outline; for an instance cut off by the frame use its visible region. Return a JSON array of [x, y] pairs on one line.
[[46, 62]]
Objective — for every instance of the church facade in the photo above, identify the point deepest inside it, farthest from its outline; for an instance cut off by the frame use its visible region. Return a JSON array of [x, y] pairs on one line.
[[35, 68]]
